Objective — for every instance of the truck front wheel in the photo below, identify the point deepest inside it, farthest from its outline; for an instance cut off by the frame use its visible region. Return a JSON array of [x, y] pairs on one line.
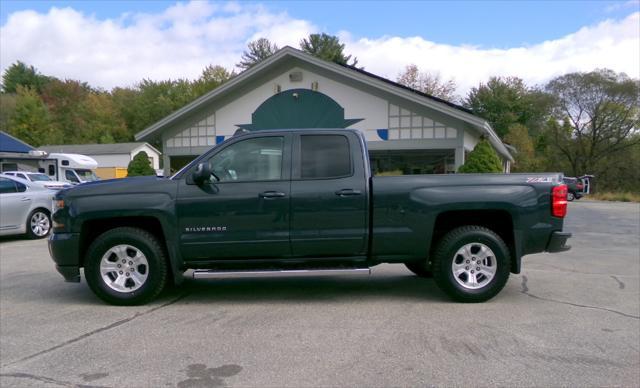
[[126, 266], [471, 264]]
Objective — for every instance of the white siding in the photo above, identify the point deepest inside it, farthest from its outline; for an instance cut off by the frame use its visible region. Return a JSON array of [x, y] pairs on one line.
[[113, 160], [356, 103], [150, 151], [470, 140]]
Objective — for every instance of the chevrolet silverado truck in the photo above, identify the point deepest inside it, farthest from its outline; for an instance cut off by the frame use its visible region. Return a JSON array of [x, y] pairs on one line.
[[298, 202]]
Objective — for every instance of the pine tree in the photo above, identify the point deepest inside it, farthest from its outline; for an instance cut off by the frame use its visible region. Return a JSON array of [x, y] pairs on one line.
[[140, 165], [483, 158], [257, 51]]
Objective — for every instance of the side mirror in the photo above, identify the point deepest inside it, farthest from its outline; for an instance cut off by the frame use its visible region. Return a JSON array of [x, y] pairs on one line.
[[202, 173]]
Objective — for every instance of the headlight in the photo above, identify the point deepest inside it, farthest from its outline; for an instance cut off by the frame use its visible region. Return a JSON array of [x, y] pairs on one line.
[[57, 204]]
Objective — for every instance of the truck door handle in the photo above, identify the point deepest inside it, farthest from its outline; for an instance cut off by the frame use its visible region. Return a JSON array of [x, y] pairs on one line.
[[348, 192], [272, 194], [25, 199]]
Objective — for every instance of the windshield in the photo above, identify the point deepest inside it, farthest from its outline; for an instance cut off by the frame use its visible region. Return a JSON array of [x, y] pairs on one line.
[[38, 177], [86, 175]]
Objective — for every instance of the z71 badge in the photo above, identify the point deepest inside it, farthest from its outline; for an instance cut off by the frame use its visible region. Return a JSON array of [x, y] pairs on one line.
[[539, 180]]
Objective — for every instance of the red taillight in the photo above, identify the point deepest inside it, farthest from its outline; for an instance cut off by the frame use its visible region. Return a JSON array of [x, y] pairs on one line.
[[559, 201]]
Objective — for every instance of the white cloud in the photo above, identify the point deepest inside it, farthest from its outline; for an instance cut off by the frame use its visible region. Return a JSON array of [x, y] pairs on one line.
[[177, 43], [180, 41], [609, 44]]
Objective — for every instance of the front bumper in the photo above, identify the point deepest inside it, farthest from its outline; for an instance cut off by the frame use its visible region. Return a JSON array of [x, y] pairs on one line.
[[64, 249], [558, 241]]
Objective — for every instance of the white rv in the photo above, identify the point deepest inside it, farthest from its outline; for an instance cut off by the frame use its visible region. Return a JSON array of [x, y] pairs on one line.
[[72, 168]]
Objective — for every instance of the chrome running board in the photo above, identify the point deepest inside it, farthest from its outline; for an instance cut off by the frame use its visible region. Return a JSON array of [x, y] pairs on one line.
[[211, 274]]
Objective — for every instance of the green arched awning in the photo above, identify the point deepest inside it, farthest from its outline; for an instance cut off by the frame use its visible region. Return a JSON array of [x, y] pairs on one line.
[[298, 108]]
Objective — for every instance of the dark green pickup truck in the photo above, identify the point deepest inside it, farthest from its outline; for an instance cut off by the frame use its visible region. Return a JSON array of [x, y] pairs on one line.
[[302, 202]]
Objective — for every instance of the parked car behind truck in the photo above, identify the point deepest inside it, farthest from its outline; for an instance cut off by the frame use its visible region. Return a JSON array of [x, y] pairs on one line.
[[303, 201], [25, 208], [38, 179]]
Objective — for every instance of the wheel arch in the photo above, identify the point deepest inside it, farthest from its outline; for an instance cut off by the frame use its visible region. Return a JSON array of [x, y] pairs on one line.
[[93, 228], [499, 221]]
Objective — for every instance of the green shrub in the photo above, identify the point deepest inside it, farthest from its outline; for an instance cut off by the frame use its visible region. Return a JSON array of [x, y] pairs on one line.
[[483, 158], [140, 165], [616, 196]]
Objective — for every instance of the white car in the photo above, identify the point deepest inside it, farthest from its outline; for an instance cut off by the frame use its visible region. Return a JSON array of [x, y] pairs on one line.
[[24, 208], [38, 179]]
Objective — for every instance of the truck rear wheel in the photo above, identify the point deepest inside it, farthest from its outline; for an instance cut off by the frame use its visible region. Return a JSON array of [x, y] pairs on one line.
[[471, 264], [126, 266]]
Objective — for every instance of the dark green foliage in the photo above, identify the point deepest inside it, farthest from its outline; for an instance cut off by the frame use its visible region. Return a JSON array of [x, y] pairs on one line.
[[257, 51], [482, 159], [30, 121], [504, 102], [327, 47], [19, 74], [45, 110], [140, 165]]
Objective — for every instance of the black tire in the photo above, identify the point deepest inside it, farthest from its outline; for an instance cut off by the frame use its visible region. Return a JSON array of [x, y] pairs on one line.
[[43, 219], [419, 268], [447, 251], [140, 241], [570, 196]]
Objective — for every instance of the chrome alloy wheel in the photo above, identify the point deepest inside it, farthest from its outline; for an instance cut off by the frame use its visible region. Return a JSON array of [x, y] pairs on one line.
[[40, 224], [124, 268], [474, 266]]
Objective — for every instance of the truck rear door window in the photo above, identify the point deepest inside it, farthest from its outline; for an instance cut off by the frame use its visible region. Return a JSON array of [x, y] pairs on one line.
[[324, 156]]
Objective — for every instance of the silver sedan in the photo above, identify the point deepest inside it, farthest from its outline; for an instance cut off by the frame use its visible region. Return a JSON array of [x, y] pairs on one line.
[[24, 208]]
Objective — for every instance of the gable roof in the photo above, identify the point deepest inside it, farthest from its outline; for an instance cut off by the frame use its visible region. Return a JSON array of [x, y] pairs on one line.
[[9, 143], [351, 72], [399, 85], [96, 149]]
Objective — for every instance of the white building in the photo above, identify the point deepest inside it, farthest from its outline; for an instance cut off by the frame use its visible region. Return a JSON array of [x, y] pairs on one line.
[[408, 132], [112, 159]]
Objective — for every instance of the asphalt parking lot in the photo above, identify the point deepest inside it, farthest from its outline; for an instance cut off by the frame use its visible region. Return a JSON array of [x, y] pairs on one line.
[[570, 319]]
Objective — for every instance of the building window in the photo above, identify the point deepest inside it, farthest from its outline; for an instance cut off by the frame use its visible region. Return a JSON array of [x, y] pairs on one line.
[[404, 124], [411, 162], [202, 134]]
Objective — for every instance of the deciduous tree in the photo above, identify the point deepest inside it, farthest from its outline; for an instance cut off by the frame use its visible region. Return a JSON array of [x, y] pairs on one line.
[[429, 83], [507, 101], [31, 121], [597, 114], [525, 157]]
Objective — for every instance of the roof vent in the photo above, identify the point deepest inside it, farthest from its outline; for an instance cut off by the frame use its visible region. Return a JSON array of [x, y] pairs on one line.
[[295, 76]]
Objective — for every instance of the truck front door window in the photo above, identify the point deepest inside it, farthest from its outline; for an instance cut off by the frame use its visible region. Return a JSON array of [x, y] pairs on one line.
[[250, 160]]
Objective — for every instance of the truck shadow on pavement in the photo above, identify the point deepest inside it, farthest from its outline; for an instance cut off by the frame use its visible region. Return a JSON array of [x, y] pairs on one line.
[[310, 289]]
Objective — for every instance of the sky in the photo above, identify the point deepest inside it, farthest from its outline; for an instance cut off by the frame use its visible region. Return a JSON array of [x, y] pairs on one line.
[[118, 43]]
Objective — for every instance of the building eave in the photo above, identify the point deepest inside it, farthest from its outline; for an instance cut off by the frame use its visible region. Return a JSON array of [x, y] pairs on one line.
[[480, 124]]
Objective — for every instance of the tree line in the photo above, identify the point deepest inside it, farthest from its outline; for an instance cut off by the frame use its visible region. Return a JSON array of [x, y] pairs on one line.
[[577, 123]]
